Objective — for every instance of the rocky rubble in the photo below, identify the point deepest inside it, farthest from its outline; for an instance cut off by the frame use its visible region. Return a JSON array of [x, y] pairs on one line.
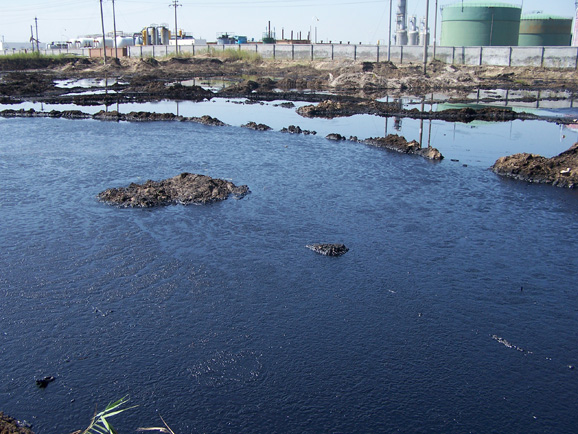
[[296, 129], [257, 127], [560, 171], [185, 189], [400, 144], [9, 425]]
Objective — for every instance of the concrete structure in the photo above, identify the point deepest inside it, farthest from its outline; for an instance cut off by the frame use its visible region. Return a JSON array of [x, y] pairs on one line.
[[481, 23], [19, 46], [545, 30], [550, 57]]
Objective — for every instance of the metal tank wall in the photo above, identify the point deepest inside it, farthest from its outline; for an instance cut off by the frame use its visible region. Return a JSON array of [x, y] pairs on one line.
[[545, 30], [480, 24]]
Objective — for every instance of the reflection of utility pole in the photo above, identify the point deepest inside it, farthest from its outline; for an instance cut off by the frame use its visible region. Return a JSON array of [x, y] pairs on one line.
[[176, 5], [114, 28], [37, 43], [103, 34]]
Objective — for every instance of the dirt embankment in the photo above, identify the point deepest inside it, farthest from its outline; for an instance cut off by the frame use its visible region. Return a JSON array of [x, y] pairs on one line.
[[265, 78], [560, 171]]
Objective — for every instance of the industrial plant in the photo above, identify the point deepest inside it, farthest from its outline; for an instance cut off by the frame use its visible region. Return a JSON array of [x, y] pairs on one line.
[[465, 23], [485, 23]]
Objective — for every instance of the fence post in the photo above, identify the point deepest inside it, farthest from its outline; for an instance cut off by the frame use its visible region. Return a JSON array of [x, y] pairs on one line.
[[542, 59], [333, 52], [481, 54], [510, 57], [311, 51], [355, 52], [401, 54], [153, 51], [292, 51], [377, 53], [274, 51]]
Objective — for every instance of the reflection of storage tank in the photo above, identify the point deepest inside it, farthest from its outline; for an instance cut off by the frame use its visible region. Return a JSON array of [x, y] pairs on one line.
[[481, 23], [545, 30]]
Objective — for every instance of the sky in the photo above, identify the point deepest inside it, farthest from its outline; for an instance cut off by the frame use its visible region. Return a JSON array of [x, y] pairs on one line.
[[355, 21]]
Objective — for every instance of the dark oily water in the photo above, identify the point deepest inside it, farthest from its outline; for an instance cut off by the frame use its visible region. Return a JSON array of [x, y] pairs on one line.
[[454, 311]]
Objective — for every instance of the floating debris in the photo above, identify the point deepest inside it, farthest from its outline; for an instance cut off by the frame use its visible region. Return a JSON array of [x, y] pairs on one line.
[[328, 249], [43, 382], [509, 344]]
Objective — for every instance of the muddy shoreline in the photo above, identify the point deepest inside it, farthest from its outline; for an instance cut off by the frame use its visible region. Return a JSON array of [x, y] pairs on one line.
[[357, 86]]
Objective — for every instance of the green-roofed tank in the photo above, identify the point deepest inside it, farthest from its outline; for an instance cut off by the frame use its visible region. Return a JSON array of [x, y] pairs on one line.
[[480, 23], [545, 30]]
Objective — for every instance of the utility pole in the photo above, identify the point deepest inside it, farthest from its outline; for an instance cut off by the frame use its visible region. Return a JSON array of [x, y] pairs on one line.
[[103, 34], [389, 38], [114, 28], [425, 34], [37, 43], [31, 37], [175, 5], [435, 30]]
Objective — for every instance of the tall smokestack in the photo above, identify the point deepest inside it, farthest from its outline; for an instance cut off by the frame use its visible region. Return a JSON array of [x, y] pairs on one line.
[[401, 21]]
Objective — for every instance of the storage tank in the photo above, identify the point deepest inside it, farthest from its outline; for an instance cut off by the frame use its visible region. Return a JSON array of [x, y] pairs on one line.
[[480, 23], [124, 41], [164, 36], [413, 34], [545, 30]]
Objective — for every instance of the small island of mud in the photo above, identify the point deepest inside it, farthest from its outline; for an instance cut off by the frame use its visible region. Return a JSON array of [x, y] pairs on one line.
[[185, 189], [9, 425], [560, 171], [400, 144]]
